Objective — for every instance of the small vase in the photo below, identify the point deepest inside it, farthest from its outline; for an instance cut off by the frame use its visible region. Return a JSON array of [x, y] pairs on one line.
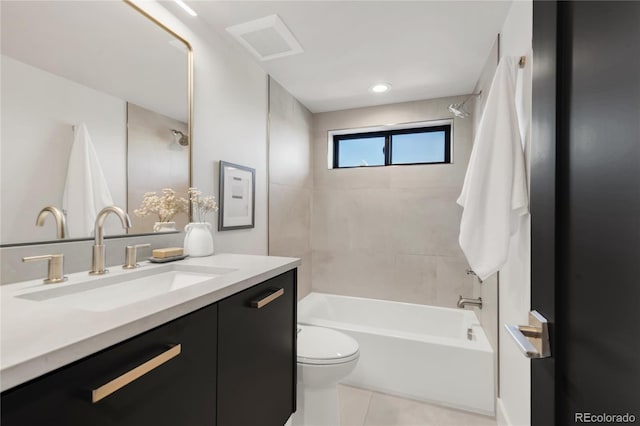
[[164, 227], [198, 242]]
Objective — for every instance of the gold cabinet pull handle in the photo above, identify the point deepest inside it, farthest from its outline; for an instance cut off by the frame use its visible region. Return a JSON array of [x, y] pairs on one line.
[[260, 303], [134, 374]]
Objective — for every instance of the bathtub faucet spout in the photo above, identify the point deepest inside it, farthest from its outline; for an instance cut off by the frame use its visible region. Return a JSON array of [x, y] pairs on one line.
[[463, 302]]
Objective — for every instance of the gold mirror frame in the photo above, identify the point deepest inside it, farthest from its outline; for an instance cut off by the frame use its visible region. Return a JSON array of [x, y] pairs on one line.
[[190, 80], [189, 87]]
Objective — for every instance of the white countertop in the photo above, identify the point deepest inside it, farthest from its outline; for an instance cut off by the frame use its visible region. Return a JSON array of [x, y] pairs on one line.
[[37, 337]]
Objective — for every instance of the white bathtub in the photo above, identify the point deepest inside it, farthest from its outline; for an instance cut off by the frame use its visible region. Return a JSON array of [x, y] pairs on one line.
[[414, 351]]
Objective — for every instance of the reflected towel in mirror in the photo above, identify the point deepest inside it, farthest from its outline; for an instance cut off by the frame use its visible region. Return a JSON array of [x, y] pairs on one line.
[[86, 191]]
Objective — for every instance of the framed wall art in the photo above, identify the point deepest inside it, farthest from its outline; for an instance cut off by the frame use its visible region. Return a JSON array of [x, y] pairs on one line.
[[237, 197]]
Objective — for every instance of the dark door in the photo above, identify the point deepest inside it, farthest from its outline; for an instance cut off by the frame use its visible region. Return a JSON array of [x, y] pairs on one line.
[[585, 206]]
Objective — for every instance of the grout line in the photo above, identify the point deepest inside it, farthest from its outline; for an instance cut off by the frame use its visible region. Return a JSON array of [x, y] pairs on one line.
[[366, 414]]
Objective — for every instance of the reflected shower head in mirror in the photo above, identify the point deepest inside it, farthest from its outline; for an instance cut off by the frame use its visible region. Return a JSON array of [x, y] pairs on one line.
[[180, 138], [458, 109]]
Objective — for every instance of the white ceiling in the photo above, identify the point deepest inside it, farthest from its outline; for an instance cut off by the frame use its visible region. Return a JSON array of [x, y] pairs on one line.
[[425, 49]]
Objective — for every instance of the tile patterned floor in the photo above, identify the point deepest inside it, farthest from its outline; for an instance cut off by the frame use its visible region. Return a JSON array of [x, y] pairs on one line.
[[360, 407]]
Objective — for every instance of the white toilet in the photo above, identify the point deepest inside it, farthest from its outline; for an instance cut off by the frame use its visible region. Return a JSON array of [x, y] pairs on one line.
[[325, 357]]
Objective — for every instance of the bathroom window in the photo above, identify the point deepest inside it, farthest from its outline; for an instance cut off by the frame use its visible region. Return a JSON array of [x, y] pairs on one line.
[[418, 145]]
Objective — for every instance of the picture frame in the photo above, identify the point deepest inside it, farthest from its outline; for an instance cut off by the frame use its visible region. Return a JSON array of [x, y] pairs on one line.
[[237, 195]]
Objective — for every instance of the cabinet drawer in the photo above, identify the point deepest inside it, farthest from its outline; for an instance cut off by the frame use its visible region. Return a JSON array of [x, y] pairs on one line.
[[257, 354], [165, 376]]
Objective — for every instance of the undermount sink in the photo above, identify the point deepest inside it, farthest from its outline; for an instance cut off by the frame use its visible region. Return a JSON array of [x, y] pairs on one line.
[[111, 292]]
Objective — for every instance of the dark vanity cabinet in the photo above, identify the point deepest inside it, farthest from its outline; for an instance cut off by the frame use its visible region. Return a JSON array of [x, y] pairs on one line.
[[223, 364], [177, 389], [257, 354]]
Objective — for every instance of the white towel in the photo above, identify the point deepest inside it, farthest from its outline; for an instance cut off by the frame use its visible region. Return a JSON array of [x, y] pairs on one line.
[[86, 191], [494, 195]]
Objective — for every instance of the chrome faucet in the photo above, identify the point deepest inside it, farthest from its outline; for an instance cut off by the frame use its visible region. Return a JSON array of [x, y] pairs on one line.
[[462, 302], [61, 221], [98, 261]]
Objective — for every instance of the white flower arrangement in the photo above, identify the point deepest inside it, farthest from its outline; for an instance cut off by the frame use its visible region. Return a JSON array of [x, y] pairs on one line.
[[201, 206], [165, 206]]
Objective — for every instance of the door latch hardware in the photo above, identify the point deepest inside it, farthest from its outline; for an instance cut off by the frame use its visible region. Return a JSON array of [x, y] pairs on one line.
[[532, 339]]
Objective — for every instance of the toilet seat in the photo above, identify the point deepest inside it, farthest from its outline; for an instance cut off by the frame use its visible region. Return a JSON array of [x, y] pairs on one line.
[[324, 346]]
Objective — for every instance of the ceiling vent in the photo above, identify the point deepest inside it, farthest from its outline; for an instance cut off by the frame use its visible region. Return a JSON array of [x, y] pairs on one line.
[[266, 38]]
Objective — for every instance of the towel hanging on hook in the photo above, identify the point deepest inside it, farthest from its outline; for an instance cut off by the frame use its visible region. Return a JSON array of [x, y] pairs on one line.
[[86, 190], [495, 194]]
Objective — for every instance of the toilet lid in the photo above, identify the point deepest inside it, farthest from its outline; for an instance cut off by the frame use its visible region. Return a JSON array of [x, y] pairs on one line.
[[319, 345]]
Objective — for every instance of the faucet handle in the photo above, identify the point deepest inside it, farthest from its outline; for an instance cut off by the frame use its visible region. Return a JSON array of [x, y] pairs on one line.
[[131, 256], [55, 268]]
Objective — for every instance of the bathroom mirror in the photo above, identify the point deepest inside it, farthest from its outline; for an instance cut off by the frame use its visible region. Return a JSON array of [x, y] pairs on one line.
[[110, 66]]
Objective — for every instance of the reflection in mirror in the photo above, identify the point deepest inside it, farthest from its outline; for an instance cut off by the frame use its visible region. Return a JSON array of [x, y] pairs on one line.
[[156, 160], [107, 66]]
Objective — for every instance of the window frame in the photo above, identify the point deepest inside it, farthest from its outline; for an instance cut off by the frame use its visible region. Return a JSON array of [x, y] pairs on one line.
[[388, 144]]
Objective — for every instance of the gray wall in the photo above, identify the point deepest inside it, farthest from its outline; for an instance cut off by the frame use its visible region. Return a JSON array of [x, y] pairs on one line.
[[390, 232], [290, 181]]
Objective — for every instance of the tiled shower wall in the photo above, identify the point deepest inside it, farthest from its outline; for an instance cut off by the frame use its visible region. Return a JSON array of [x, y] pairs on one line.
[[383, 232], [390, 232], [290, 181]]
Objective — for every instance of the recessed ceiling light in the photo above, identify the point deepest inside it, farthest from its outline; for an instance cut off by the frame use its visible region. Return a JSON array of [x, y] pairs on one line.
[[186, 7], [380, 87]]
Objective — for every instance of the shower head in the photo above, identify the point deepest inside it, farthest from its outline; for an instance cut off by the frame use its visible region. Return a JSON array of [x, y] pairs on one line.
[[180, 138], [458, 109]]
